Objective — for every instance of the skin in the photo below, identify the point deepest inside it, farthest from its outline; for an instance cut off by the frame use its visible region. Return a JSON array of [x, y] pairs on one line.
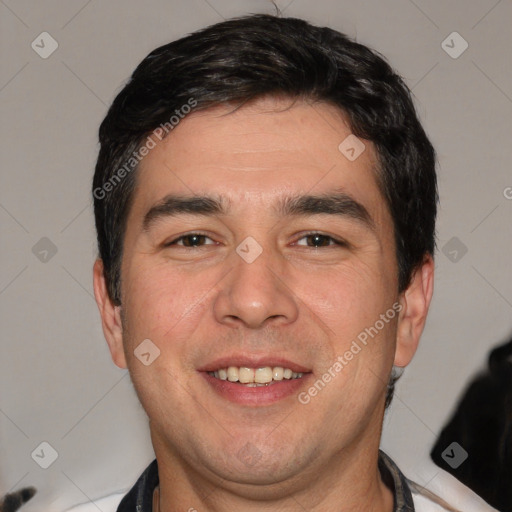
[[297, 301]]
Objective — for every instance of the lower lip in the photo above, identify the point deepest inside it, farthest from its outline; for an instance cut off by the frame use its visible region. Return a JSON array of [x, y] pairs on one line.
[[259, 395]]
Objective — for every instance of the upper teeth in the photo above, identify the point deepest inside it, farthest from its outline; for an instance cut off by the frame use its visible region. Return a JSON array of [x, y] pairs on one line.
[[263, 375]]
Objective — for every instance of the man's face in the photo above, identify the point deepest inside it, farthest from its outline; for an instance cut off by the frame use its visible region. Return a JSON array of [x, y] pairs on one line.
[[326, 272]]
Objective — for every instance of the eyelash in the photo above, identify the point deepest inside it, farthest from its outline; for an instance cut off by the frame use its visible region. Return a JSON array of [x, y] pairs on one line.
[[337, 242], [174, 242]]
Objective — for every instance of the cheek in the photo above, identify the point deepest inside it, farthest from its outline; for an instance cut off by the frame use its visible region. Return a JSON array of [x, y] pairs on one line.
[[164, 307], [349, 297], [163, 303], [348, 304]]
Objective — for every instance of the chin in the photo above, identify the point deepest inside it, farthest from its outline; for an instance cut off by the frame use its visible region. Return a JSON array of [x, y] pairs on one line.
[[243, 463]]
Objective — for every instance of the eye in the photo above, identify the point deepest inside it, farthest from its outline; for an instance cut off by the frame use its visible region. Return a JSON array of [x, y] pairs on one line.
[[319, 240], [191, 240]]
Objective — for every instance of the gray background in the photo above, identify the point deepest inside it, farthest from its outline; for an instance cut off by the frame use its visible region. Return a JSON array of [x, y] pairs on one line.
[[57, 381]]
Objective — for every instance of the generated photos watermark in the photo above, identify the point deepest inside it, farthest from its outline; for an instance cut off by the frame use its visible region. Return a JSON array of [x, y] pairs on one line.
[[136, 157], [343, 360]]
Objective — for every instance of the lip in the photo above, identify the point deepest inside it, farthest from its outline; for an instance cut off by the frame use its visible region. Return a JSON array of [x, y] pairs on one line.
[[256, 396], [253, 362]]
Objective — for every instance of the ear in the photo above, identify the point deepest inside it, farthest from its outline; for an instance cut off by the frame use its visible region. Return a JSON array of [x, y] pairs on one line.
[[415, 301], [110, 316]]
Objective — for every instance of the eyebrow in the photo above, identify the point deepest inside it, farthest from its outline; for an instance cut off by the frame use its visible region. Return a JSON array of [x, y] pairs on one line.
[[338, 204], [173, 205]]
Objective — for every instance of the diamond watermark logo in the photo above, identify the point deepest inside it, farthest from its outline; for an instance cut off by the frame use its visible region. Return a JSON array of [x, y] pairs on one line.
[[454, 455], [352, 147], [249, 249], [44, 455], [44, 45], [249, 454], [454, 45], [146, 352], [44, 250], [454, 249]]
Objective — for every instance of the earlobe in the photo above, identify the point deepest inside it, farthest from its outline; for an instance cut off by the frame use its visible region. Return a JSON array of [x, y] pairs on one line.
[[110, 316], [415, 302]]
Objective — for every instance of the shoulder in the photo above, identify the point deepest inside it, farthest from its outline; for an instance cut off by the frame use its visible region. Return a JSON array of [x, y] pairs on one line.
[[444, 492], [424, 504], [140, 496]]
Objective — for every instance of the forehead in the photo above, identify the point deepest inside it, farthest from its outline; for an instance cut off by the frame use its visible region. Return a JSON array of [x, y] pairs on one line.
[[250, 155]]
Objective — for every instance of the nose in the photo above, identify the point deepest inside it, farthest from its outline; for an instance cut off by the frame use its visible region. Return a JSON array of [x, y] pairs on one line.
[[256, 294]]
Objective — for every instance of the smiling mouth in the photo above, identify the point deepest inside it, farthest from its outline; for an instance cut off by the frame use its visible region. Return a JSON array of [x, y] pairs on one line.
[[255, 377]]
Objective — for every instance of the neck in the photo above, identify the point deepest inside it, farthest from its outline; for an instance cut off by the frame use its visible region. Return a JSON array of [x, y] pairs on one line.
[[347, 482]]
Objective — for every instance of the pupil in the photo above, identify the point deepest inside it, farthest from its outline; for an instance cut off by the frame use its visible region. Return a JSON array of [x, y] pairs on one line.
[[318, 239], [192, 240]]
